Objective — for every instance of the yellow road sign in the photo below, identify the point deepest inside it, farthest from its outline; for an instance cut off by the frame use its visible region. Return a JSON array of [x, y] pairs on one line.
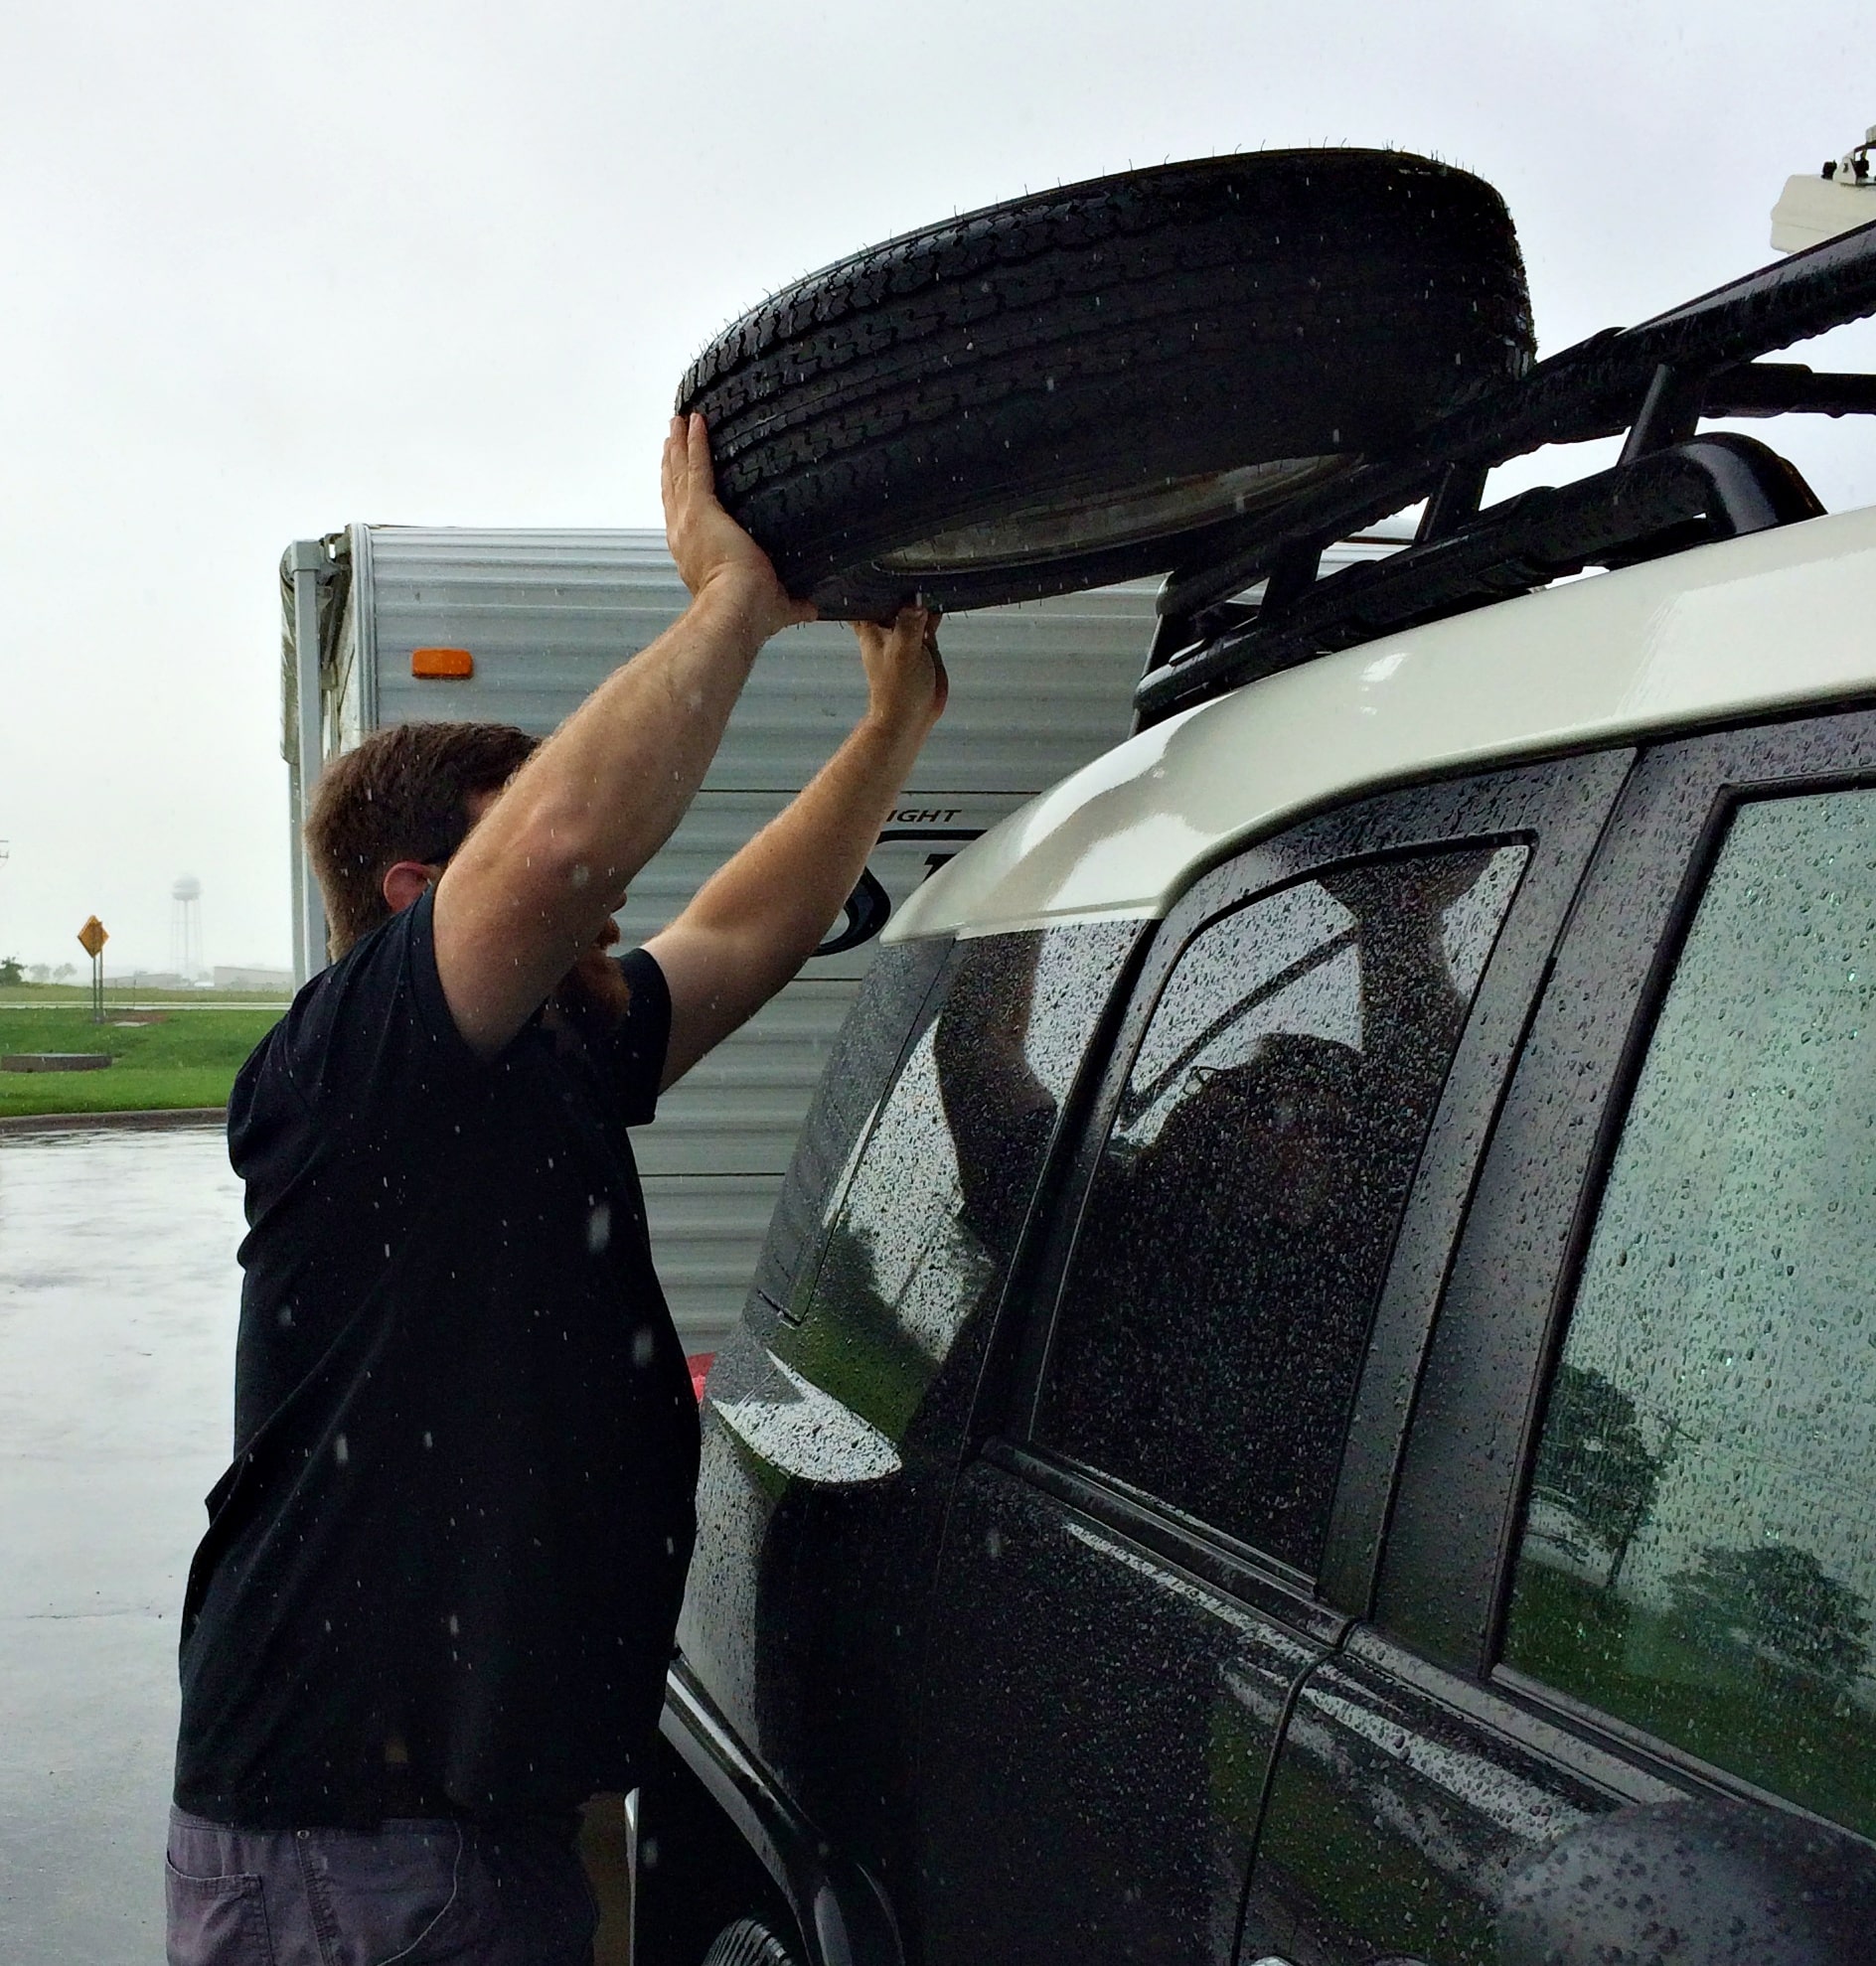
[[93, 936]]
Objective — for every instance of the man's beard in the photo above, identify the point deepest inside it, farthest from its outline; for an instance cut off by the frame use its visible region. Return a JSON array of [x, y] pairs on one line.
[[590, 999]]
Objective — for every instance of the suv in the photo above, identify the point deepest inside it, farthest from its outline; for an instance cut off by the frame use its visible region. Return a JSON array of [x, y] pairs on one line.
[[1312, 1392]]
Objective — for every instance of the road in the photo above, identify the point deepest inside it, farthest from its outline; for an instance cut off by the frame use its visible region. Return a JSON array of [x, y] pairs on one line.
[[117, 1309]]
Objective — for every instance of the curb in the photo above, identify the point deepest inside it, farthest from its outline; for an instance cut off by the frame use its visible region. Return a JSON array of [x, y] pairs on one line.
[[172, 1120]]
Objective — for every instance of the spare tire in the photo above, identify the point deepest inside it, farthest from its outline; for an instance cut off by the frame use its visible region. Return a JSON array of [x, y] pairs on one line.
[[1053, 392]]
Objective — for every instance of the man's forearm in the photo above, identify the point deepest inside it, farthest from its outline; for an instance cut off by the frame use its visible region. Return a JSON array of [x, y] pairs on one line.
[[783, 891], [776, 899], [603, 794]]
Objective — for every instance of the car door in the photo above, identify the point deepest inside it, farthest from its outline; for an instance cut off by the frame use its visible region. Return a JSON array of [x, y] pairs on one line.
[[1625, 1601], [1131, 1584]]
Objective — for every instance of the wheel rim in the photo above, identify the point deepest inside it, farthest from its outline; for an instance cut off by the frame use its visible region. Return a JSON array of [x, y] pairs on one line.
[[1088, 523]]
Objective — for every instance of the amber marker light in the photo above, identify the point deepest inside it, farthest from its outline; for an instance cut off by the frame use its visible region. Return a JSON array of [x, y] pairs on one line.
[[442, 663]]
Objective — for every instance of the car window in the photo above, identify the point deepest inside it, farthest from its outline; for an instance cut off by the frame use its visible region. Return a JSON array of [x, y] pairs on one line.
[[1246, 1198], [859, 1067], [1699, 1552], [935, 1198]]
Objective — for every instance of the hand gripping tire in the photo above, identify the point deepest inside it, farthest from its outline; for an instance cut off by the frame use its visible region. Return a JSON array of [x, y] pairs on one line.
[[748, 1942], [1047, 394]]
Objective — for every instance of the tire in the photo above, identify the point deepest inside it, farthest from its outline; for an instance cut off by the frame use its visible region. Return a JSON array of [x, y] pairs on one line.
[[748, 1942], [1051, 393]]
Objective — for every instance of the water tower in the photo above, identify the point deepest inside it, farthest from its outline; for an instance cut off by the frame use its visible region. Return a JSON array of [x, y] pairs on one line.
[[185, 928]]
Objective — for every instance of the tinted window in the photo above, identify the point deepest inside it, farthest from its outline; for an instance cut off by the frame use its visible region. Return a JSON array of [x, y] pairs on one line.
[[1247, 1196], [876, 1031], [1699, 1553], [929, 1217]]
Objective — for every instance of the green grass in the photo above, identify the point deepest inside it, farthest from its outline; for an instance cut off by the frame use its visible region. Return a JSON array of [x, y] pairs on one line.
[[189, 1059], [123, 990], [1800, 1738]]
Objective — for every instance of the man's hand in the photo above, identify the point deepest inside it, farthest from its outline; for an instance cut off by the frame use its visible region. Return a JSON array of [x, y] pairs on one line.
[[714, 553], [906, 684]]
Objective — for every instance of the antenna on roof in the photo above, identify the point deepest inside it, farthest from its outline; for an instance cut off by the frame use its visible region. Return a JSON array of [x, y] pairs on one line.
[[1841, 196]]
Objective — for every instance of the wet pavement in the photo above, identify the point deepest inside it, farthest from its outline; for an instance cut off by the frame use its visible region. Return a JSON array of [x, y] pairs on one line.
[[117, 1309]]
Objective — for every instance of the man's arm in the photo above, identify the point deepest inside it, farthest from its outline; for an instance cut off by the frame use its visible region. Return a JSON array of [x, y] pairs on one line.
[[764, 912], [540, 877]]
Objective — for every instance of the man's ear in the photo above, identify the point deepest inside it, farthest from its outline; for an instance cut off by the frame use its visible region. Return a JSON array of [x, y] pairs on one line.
[[403, 882]]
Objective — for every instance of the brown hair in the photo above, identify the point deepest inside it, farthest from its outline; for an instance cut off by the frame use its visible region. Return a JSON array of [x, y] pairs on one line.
[[403, 795]]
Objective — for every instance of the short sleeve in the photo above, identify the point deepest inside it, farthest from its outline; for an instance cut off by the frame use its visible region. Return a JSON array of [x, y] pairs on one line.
[[643, 1038], [370, 1050], [373, 1030]]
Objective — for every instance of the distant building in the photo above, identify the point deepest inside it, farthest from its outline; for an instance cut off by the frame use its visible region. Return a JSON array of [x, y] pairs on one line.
[[237, 978]]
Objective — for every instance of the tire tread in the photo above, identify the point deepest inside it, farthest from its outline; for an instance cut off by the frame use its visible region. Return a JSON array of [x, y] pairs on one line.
[[1180, 319], [748, 1942]]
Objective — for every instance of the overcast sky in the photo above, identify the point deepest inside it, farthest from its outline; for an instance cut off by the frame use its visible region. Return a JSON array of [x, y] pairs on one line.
[[268, 270]]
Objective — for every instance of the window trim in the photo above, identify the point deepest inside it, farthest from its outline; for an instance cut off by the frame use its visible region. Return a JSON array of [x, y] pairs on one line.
[[1264, 1584], [1557, 808], [1445, 1578], [1651, 1757]]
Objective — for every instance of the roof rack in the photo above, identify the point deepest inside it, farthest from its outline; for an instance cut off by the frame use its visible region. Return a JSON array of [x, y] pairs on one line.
[[1672, 489]]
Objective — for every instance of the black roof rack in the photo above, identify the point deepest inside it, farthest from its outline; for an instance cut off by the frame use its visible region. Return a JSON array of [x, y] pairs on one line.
[[1669, 490]]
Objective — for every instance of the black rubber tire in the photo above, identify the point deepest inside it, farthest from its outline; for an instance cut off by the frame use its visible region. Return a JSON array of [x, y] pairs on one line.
[[1058, 354], [748, 1942]]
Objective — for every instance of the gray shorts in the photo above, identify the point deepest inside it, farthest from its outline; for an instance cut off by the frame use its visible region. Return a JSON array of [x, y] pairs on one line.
[[418, 1891]]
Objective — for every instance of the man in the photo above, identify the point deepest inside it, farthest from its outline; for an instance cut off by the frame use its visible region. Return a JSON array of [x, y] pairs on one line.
[[433, 1608]]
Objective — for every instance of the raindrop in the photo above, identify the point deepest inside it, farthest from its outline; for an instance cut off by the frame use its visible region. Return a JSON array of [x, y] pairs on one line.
[[340, 1452]]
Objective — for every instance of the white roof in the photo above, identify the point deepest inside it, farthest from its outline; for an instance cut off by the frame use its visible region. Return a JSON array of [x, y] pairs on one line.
[[1781, 617]]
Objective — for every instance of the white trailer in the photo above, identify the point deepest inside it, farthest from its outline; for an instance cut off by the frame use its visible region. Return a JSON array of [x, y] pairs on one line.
[[389, 624]]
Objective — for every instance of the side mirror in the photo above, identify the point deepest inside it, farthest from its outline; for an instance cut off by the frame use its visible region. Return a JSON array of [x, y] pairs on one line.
[[1693, 1884]]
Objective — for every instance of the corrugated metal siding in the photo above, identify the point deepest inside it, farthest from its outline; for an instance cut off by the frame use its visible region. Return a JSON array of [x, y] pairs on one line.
[[738, 1112], [707, 1231], [714, 1163], [1036, 691], [718, 823]]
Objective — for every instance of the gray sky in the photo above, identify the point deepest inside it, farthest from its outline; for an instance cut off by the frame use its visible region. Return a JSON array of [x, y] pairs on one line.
[[267, 270]]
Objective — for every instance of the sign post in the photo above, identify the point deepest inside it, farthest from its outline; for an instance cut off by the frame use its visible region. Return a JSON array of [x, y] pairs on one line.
[[92, 939]]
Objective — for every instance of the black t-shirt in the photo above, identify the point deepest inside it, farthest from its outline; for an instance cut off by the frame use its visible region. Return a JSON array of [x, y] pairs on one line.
[[461, 1504]]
